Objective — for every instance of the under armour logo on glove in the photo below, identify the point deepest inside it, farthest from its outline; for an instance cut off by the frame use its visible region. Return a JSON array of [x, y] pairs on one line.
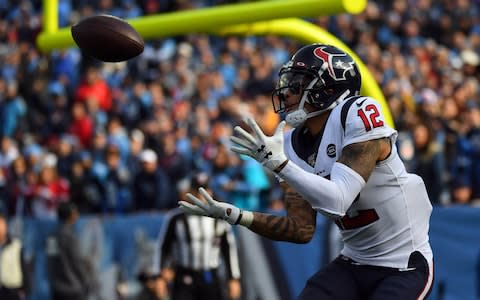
[[262, 149], [267, 150]]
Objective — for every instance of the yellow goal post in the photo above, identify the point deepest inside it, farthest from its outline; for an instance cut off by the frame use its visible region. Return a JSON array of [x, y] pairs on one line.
[[276, 17]]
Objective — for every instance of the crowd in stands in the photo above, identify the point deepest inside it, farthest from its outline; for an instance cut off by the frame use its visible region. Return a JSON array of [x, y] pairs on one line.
[[126, 137]]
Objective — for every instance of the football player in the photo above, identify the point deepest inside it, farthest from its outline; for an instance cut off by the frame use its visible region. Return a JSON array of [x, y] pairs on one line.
[[339, 159]]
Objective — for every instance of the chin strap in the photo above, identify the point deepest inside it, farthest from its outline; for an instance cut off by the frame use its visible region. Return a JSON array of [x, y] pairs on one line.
[[296, 118]]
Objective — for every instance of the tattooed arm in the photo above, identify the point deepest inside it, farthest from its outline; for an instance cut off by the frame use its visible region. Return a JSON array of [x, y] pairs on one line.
[[297, 226], [362, 157], [305, 193], [348, 176]]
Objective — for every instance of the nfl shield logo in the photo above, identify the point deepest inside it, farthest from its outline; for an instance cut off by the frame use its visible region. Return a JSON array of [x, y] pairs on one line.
[[331, 150]]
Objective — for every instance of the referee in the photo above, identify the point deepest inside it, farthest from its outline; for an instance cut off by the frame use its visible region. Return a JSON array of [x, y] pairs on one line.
[[191, 251]]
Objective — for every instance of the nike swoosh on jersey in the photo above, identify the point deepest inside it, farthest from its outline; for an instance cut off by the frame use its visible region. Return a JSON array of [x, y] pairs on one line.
[[361, 102]]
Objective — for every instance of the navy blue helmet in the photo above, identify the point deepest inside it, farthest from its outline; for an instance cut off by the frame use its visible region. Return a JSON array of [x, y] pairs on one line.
[[321, 74]]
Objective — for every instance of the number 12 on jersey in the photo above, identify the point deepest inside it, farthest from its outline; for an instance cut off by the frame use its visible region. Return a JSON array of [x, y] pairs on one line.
[[369, 116]]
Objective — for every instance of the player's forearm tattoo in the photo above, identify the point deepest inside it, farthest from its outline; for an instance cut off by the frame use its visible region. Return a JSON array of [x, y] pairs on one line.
[[362, 157], [297, 227]]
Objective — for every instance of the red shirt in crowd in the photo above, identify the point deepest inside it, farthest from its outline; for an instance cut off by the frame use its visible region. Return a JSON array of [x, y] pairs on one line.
[[95, 87], [82, 124]]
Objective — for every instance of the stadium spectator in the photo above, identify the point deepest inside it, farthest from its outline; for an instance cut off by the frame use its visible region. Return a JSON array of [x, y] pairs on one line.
[[222, 171], [56, 115], [94, 87], [82, 124], [428, 162], [86, 189], [118, 136], [50, 191], [181, 263], [239, 181], [174, 163], [137, 143], [116, 183], [469, 145], [135, 105], [15, 278], [66, 151], [257, 180], [99, 145], [8, 152], [462, 191], [70, 274], [20, 187], [151, 186], [12, 110], [339, 160]]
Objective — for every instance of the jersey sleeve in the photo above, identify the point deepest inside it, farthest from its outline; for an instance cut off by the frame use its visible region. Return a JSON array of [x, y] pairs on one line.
[[365, 121]]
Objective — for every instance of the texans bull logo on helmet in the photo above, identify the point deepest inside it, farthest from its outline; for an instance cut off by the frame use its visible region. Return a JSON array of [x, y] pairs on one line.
[[322, 74], [338, 63]]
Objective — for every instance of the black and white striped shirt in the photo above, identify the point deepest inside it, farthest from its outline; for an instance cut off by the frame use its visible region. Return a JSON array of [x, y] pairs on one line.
[[198, 243]]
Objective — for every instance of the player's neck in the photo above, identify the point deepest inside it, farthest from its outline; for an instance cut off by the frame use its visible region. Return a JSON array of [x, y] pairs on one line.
[[316, 124]]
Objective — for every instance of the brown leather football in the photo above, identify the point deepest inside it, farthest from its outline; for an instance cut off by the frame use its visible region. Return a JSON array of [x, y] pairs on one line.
[[107, 38]]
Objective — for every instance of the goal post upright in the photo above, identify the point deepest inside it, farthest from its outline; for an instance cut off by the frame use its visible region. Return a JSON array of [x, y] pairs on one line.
[[277, 17]]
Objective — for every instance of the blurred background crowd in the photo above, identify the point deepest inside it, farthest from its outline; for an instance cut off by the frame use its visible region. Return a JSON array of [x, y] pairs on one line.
[[126, 137]]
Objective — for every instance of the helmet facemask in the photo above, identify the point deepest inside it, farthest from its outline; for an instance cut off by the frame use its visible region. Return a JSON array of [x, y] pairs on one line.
[[309, 88], [292, 83]]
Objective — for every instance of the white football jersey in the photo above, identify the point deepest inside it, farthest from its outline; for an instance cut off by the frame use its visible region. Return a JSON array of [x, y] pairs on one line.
[[389, 219]]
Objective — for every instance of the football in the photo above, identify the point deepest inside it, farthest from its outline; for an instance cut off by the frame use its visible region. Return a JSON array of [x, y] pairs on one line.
[[107, 38]]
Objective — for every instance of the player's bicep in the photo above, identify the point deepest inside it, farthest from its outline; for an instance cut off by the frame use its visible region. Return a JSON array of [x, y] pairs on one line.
[[367, 136], [362, 157]]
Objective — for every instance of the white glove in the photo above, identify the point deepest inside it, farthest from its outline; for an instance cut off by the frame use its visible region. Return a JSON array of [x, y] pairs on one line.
[[267, 150], [211, 208]]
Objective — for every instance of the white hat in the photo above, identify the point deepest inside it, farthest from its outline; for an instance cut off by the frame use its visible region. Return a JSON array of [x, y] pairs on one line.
[[185, 49], [148, 155], [470, 57], [137, 135], [49, 161]]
